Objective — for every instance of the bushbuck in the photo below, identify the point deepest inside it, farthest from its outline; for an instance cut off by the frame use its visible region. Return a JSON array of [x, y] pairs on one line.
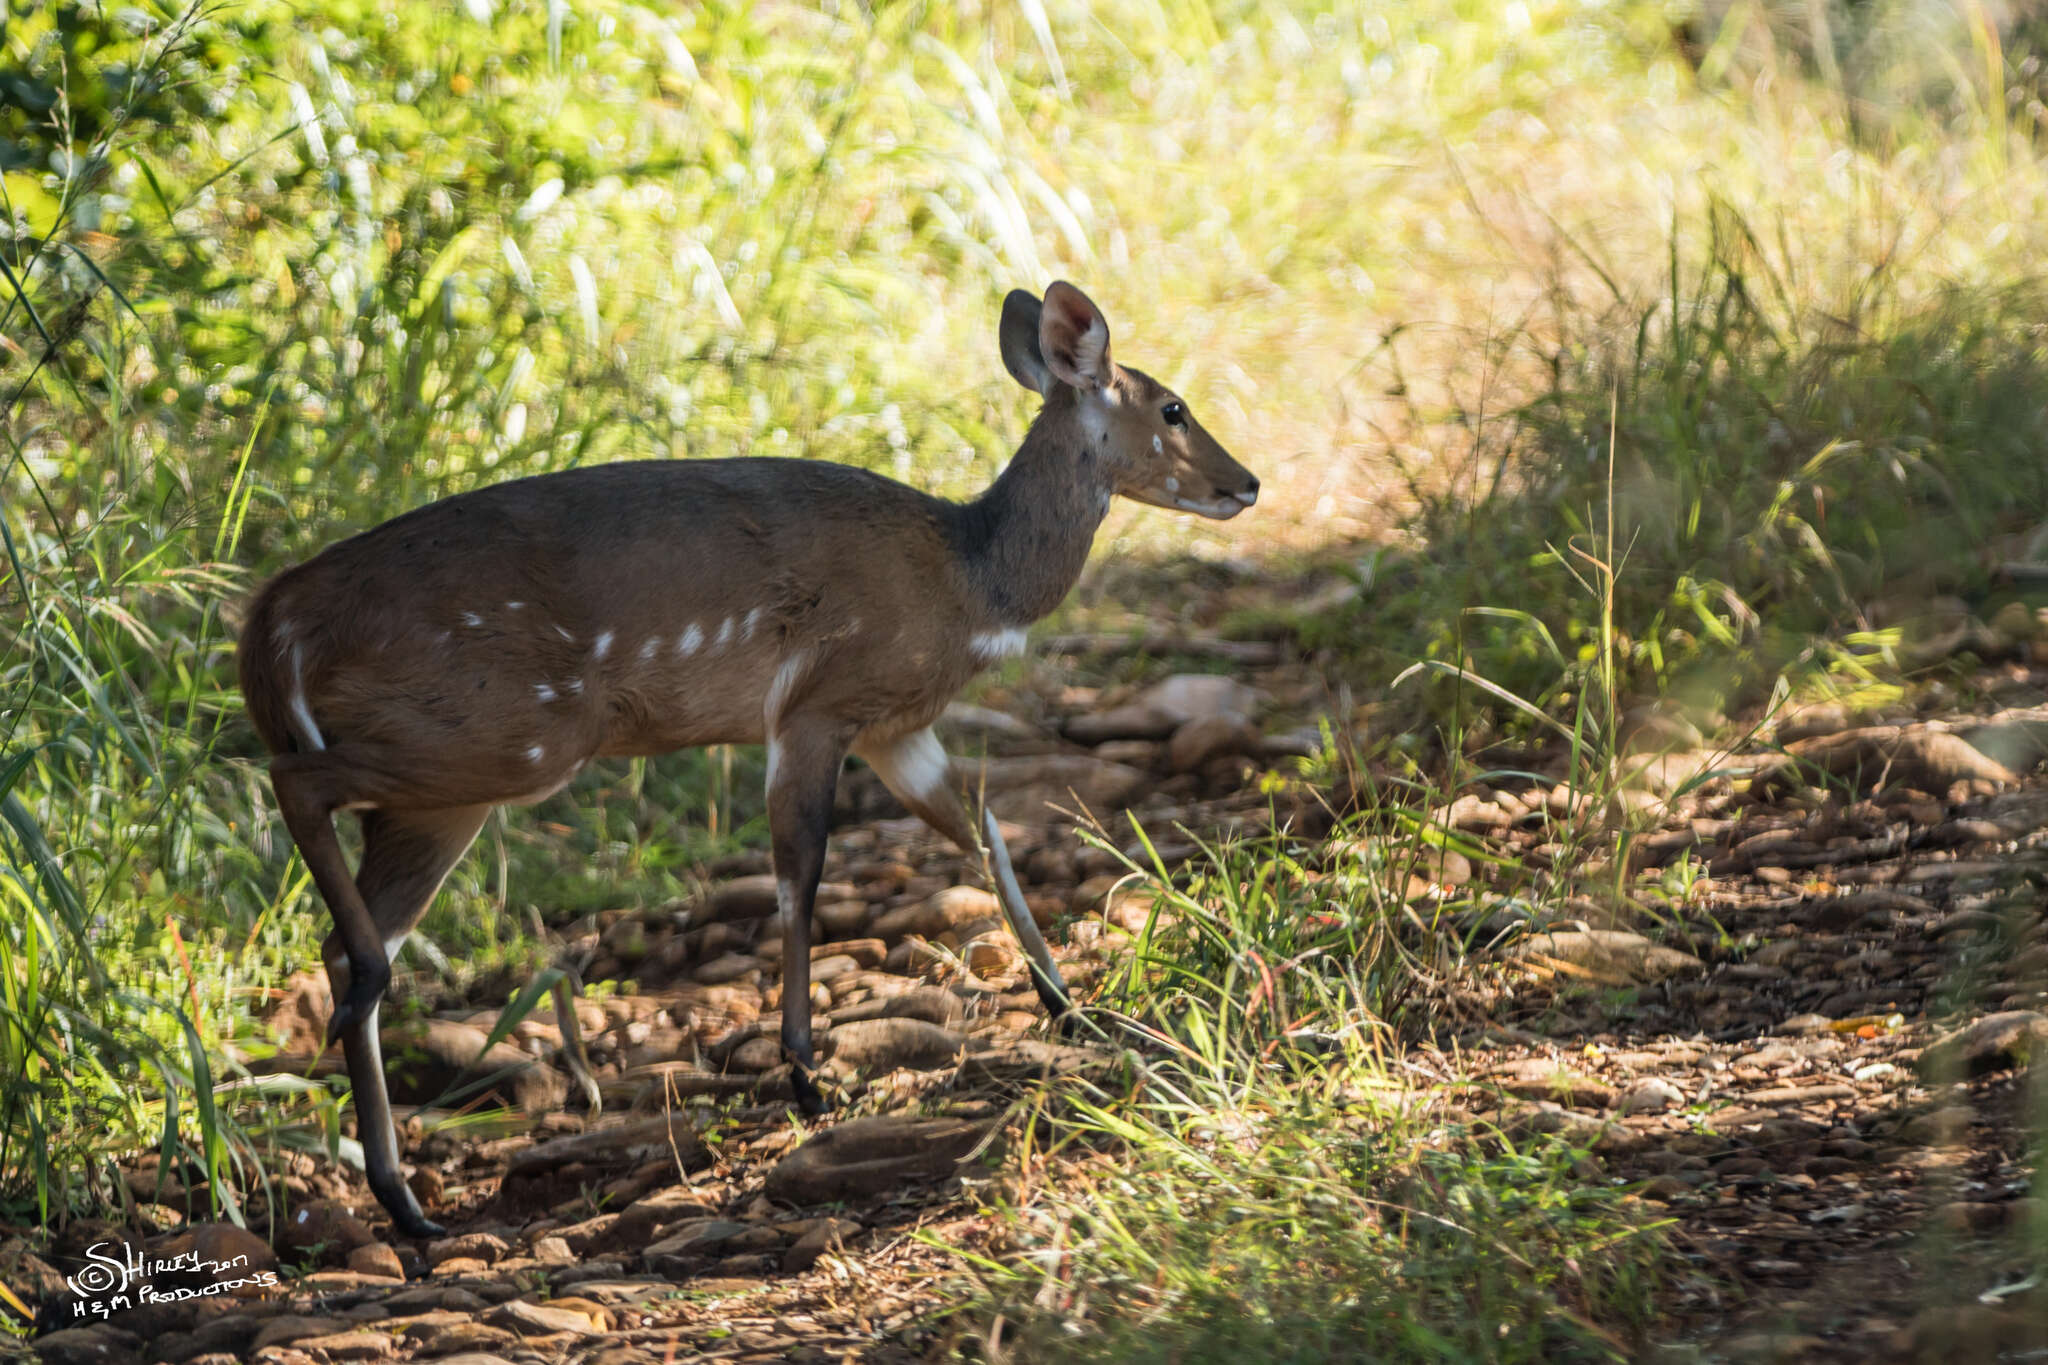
[[480, 650]]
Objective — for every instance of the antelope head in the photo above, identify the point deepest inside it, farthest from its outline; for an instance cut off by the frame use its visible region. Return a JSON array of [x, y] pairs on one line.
[[1154, 450]]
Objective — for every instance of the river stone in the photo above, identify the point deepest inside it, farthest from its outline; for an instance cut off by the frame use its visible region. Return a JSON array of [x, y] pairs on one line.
[[829, 1235], [322, 1226], [879, 1045], [1993, 1043], [933, 1004], [1611, 952], [872, 1155], [1931, 760], [1033, 789], [625, 1144], [1210, 737], [1164, 707], [426, 1058]]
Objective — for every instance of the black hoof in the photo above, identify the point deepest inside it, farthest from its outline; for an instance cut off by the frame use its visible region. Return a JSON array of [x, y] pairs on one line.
[[420, 1227]]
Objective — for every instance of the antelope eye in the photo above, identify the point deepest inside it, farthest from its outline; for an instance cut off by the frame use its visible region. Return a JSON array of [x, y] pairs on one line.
[[1175, 415]]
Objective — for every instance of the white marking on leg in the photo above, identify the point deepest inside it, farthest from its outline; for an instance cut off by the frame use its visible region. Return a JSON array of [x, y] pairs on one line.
[[602, 647], [309, 731], [774, 760], [690, 641], [649, 649], [393, 944], [724, 634], [915, 765], [991, 645], [544, 692], [471, 619], [535, 753], [784, 683], [785, 901]]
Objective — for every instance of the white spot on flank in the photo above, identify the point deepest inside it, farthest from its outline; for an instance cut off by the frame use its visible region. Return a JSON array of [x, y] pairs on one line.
[[690, 641], [518, 606], [753, 620], [470, 618], [647, 650], [302, 713], [1158, 446], [535, 753], [778, 690], [990, 645], [543, 691], [724, 634], [603, 645]]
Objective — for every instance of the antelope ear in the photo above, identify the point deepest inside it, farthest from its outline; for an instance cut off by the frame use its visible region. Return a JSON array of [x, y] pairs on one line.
[[1073, 337], [1019, 337]]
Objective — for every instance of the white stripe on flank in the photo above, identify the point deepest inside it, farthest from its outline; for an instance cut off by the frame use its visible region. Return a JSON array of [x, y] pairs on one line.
[[603, 646], [753, 620], [470, 618], [563, 632], [690, 641], [648, 650], [302, 713], [543, 691], [535, 754], [724, 634], [575, 688]]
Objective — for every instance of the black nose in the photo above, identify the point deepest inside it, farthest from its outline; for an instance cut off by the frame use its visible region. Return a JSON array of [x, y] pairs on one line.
[[1252, 486]]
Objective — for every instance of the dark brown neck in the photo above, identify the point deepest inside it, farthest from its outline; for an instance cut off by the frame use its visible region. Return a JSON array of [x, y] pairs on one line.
[[1026, 538]]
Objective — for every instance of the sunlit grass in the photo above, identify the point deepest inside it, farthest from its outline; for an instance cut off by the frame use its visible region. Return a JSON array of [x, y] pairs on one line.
[[1283, 1182], [1407, 260]]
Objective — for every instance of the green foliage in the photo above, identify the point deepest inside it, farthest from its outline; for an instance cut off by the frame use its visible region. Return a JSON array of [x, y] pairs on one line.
[[1274, 1190]]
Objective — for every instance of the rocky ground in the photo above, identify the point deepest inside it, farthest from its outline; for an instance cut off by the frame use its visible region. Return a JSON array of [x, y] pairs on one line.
[[1800, 1030]]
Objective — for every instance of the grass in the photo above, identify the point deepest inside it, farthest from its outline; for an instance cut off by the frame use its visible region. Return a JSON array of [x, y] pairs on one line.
[[1279, 1186], [1616, 349]]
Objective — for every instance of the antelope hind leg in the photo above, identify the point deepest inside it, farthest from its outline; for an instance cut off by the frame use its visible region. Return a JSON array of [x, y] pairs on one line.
[[915, 770]]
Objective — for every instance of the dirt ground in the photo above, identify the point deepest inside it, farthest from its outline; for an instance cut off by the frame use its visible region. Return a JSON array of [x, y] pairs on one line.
[[1756, 1055]]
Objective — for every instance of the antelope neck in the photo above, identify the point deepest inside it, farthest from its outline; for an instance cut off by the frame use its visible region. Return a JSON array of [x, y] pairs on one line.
[[1025, 540]]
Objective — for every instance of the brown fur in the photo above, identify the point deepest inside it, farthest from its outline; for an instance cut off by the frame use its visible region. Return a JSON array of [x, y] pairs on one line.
[[478, 651]]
